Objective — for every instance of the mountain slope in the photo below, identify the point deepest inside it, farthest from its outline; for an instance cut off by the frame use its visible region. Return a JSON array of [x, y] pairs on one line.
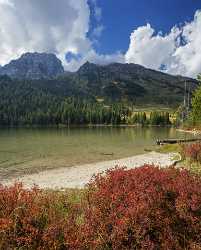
[[132, 82], [115, 82], [33, 66]]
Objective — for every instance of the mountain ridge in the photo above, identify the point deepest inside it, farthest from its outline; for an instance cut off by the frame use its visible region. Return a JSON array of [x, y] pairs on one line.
[[115, 82], [33, 66]]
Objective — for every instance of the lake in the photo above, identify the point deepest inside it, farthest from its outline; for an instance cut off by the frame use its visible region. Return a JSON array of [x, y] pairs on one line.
[[26, 150]]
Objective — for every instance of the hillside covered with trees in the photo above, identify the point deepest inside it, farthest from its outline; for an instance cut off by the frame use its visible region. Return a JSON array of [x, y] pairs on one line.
[[35, 90], [26, 103]]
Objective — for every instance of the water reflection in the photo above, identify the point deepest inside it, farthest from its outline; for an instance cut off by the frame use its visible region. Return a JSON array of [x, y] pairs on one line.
[[36, 148]]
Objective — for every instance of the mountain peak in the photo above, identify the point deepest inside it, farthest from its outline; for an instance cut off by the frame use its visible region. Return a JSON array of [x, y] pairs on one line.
[[87, 67], [34, 66]]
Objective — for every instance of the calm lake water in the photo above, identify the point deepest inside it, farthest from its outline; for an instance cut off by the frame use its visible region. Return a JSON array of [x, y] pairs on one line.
[[29, 150]]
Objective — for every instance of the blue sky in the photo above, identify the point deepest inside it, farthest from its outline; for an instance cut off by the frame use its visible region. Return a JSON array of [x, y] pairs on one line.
[[121, 17], [158, 34]]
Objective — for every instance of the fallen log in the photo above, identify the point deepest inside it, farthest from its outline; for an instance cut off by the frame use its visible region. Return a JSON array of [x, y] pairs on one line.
[[107, 153], [174, 141]]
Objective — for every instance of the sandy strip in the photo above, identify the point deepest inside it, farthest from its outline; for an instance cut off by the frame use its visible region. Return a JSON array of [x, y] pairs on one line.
[[78, 176]]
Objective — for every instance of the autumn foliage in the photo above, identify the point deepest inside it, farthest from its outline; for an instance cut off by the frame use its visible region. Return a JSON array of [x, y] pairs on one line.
[[192, 152], [142, 208], [145, 208], [32, 219]]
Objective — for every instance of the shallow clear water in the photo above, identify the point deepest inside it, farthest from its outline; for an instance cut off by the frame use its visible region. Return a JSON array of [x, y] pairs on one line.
[[29, 150]]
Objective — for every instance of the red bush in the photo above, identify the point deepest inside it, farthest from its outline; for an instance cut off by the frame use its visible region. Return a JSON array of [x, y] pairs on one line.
[[192, 151], [32, 219], [144, 208]]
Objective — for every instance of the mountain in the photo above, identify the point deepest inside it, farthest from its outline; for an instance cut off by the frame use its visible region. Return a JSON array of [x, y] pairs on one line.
[[132, 82], [115, 82], [33, 66]]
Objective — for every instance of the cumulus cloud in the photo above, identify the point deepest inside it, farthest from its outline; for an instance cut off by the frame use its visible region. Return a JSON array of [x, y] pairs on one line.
[[97, 10], [96, 27], [43, 26], [93, 57], [187, 58], [98, 31], [59, 27], [149, 50], [178, 52], [62, 27]]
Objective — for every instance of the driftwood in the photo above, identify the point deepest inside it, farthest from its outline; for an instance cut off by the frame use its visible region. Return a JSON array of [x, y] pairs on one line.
[[107, 153], [174, 141]]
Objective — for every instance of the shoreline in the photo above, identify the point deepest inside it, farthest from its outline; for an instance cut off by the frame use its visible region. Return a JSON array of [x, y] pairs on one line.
[[85, 126], [78, 176], [192, 131]]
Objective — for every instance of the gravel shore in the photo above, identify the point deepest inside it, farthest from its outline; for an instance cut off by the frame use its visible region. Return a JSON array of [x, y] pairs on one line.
[[78, 176]]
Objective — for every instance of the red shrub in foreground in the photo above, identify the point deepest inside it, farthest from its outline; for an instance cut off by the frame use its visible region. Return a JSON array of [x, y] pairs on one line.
[[32, 219], [144, 208], [192, 151]]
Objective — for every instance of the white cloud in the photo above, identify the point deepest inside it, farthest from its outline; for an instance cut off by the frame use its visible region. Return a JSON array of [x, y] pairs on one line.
[[43, 26], [50, 26], [62, 26], [158, 50], [93, 57], [97, 27], [188, 57], [97, 10], [98, 31], [149, 50]]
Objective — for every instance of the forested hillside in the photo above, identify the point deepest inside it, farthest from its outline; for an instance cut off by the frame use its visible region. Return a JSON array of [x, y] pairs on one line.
[[132, 82], [38, 93], [24, 103]]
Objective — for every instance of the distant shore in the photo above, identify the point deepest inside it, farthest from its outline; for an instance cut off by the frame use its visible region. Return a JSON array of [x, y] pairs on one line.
[[78, 176], [85, 126], [191, 131]]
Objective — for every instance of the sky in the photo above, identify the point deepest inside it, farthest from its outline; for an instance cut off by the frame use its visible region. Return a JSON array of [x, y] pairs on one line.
[[158, 34]]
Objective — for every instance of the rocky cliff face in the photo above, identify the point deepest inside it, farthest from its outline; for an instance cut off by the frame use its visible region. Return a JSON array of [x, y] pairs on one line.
[[34, 66]]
